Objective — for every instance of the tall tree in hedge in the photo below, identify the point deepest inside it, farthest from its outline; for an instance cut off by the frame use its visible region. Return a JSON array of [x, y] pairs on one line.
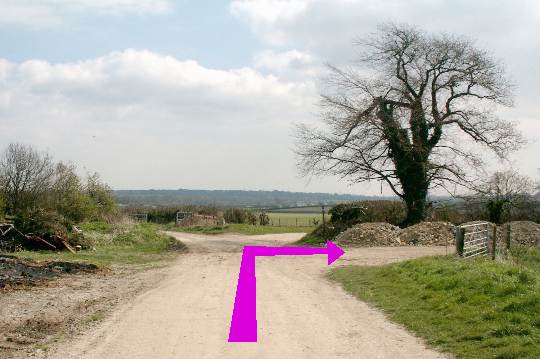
[[503, 191], [100, 194], [68, 196], [416, 111]]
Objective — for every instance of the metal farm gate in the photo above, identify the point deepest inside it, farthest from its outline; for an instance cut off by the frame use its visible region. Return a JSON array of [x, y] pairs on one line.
[[472, 239]]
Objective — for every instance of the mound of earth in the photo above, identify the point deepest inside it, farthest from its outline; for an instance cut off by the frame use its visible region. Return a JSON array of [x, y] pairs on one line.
[[370, 235], [428, 234], [525, 232], [385, 234]]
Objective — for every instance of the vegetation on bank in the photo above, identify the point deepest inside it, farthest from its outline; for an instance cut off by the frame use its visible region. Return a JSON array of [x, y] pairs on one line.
[[117, 244], [46, 198], [472, 308]]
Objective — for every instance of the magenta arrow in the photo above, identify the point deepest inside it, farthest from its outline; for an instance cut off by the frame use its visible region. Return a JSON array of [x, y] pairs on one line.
[[244, 318]]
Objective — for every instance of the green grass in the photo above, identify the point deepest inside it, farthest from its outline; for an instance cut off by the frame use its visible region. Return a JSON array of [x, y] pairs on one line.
[[526, 256], [291, 219], [312, 239], [99, 227], [319, 235], [239, 229], [472, 308], [140, 244]]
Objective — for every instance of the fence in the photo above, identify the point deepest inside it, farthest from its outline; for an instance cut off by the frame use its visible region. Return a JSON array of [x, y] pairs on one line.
[[139, 217], [294, 222], [483, 238], [472, 239]]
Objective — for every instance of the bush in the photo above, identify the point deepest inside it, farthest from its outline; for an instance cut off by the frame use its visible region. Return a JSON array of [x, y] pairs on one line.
[[322, 233], [235, 215], [42, 222], [348, 214], [162, 215], [101, 195], [264, 220], [251, 218]]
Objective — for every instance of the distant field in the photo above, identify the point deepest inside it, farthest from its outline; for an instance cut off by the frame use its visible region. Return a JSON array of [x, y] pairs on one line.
[[246, 229], [301, 210], [293, 219]]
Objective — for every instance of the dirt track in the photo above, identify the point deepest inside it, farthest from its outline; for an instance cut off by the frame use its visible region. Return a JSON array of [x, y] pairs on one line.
[[300, 313]]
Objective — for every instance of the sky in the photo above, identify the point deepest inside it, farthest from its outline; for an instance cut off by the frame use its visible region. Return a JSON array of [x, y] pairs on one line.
[[205, 94]]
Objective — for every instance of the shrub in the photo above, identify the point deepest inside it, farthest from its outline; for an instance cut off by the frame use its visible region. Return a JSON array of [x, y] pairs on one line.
[[264, 220], [42, 222], [101, 195], [352, 213], [235, 215], [161, 215], [251, 218]]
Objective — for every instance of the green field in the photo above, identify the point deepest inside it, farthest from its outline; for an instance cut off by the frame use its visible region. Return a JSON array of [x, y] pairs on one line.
[[293, 219], [246, 229], [473, 308]]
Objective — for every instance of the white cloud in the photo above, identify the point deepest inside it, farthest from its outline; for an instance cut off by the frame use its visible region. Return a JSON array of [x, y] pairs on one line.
[[53, 13], [278, 61], [176, 122], [293, 64], [268, 11], [263, 15]]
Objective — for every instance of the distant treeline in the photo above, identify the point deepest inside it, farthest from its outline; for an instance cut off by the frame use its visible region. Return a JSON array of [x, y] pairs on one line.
[[233, 198]]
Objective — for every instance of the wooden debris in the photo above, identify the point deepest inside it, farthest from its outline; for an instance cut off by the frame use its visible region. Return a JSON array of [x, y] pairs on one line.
[[12, 240]]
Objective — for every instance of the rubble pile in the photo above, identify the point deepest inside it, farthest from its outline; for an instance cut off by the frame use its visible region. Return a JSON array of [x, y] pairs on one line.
[[525, 232], [385, 234], [428, 234], [370, 235]]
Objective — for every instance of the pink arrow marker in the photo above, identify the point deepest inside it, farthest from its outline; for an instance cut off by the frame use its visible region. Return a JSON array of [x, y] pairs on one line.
[[244, 318]]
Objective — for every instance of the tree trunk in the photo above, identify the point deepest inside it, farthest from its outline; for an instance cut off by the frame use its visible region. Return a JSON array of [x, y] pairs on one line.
[[495, 210], [415, 190], [416, 208]]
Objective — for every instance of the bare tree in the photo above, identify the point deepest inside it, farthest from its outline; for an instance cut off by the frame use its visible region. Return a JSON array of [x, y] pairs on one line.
[[413, 113], [503, 191], [25, 176]]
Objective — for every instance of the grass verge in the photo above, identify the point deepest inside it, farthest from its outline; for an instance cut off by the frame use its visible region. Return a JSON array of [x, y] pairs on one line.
[[319, 235], [472, 308], [117, 245], [246, 229]]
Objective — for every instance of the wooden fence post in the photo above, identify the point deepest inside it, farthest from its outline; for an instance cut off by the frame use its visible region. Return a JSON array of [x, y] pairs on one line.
[[494, 245], [508, 236], [460, 238]]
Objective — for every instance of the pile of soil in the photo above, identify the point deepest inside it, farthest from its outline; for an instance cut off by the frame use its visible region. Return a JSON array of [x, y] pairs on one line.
[[370, 235], [15, 272], [428, 234], [385, 234], [525, 232]]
